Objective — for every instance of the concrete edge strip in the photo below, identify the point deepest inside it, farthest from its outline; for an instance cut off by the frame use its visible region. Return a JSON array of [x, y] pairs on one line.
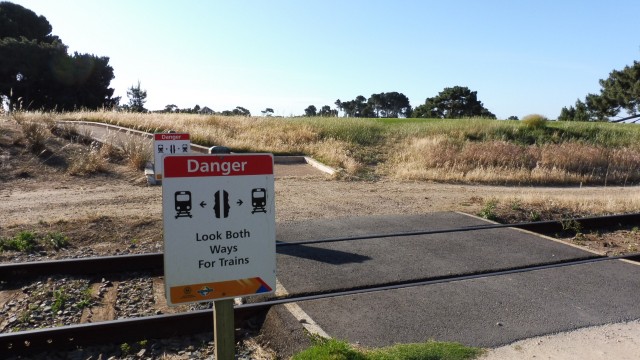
[[538, 235], [303, 318], [203, 149], [108, 126], [320, 166]]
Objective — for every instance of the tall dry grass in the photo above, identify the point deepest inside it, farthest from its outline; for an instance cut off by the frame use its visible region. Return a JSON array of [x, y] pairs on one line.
[[88, 161], [591, 201], [35, 131], [469, 150], [501, 162]]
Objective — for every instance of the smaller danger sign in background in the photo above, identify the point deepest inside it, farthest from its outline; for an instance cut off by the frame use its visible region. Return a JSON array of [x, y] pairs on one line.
[[219, 226], [168, 144]]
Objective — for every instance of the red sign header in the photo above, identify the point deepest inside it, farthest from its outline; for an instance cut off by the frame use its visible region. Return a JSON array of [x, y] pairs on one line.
[[218, 165], [170, 136]]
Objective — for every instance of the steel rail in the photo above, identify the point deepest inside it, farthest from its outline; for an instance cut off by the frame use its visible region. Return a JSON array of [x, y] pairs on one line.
[[154, 262], [172, 325], [538, 226], [83, 266]]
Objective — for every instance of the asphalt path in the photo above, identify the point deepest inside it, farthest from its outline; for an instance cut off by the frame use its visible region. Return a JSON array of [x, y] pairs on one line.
[[486, 312]]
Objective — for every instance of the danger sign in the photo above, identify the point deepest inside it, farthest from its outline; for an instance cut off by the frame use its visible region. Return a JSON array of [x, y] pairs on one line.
[[219, 226], [168, 144]]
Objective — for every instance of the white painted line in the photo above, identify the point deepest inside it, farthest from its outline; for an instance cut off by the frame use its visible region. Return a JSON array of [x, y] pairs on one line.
[[303, 318]]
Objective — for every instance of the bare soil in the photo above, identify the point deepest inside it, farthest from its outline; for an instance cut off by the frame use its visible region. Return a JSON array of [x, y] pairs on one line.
[[114, 211]]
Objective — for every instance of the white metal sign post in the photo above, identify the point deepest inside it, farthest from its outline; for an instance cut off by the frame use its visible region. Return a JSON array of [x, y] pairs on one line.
[[219, 233], [168, 144]]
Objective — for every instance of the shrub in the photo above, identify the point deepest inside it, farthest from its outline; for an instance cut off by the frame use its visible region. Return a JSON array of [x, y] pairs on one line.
[[137, 152], [535, 121], [4, 244], [58, 240], [488, 211], [87, 162], [35, 134], [25, 241]]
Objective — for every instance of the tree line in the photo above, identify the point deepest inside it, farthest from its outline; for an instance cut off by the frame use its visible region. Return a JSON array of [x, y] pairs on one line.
[[450, 103], [36, 71], [238, 111]]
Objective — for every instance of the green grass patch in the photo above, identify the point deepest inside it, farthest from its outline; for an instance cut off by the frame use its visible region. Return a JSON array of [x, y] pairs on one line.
[[59, 300], [86, 299], [488, 210], [57, 240], [355, 131], [29, 241], [24, 241], [332, 349]]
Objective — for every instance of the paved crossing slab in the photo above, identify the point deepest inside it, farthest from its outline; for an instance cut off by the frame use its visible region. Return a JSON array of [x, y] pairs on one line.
[[486, 312], [363, 263]]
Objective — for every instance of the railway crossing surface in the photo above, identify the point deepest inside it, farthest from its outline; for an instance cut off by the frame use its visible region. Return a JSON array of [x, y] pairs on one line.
[[484, 311]]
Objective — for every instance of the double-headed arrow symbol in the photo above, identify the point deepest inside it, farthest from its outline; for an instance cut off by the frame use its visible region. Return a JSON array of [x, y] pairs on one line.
[[204, 204]]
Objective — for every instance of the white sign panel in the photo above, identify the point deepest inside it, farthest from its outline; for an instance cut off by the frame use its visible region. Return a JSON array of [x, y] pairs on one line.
[[168, 144], [219, 226]]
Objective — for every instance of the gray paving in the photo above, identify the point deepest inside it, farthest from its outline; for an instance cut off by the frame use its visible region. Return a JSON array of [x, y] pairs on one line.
[[364, 263], [486, 312]]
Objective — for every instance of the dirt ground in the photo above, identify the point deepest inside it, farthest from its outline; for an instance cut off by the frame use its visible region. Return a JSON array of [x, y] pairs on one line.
[[114, 211]]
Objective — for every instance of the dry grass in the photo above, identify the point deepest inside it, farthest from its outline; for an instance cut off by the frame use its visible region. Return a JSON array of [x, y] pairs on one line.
[[241, 134], [588, 203], [468, 151], [35, 132], [84, 162], [500, 162], [137, 152]]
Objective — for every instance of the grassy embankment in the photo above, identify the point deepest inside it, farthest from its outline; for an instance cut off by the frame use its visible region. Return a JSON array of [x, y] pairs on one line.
[[462, 151]]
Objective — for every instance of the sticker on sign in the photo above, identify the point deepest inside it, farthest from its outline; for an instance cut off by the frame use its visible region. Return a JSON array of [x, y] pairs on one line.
[[219, 226]]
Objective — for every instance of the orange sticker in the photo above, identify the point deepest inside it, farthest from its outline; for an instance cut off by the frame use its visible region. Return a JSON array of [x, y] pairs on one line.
[[217, 290]]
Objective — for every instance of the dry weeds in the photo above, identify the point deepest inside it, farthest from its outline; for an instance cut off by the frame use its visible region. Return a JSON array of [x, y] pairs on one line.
[[500, 162], [464, 151], [84, 162]]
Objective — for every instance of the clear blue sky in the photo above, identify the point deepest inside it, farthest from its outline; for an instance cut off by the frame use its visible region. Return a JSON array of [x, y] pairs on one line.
[[521, 56]]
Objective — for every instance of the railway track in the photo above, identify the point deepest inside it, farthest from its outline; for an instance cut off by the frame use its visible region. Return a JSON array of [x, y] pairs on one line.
[[171, 325], [154, 262]]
